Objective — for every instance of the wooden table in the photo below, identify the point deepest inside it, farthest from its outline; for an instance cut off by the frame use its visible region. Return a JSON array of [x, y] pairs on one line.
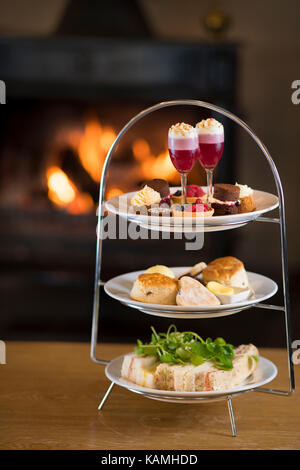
[[49, 394]]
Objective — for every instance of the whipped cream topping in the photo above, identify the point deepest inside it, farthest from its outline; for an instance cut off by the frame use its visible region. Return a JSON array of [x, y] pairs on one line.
[[182, 130], [145, 197], [245, 190], [182, 136], [209, 126]]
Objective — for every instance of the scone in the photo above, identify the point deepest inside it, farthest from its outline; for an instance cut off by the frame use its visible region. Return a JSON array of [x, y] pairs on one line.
[[228, 271], [155, 289], [192, 293]]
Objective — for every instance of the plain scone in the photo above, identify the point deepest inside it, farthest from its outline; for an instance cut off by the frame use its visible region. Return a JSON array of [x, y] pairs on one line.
[[228, 271], [155, 289]]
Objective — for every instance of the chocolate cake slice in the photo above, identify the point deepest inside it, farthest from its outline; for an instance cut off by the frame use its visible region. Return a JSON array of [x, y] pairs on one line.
[[159, 185], [226, 192], [226, 199]]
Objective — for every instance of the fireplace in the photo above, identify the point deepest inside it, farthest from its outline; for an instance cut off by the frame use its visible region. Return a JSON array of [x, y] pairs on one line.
[[64, 112]]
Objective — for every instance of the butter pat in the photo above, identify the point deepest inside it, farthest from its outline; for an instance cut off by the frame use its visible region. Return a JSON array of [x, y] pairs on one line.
[[217, 288]]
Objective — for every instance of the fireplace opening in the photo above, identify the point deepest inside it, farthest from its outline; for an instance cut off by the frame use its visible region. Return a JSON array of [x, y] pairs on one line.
[[54, 140]]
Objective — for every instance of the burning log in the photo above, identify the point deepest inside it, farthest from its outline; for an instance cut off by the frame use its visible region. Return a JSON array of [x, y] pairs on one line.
[[75, 171]]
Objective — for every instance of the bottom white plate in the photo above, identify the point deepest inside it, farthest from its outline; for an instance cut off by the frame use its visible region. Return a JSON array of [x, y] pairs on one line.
[[265, 372]]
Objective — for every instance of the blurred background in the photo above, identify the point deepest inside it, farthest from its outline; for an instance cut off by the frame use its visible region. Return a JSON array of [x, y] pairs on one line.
[[76, 71]]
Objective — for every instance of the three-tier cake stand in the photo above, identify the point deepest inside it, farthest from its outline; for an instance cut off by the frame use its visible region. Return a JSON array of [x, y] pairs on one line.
[[281, 221]]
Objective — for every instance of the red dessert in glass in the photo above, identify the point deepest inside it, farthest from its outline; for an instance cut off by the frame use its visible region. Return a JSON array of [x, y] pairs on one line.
[[211, 144], [184, 150]]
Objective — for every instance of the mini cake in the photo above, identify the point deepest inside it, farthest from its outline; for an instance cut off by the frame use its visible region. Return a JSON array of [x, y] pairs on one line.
[[225, 199], [198, 209], [159, 185], [155, 289], [191, 292], [193, 192], [145, 197], [247, 203], [228, 271]]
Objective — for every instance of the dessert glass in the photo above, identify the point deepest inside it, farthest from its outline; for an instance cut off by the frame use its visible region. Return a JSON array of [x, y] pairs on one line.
[[183, 149], [211, 144]]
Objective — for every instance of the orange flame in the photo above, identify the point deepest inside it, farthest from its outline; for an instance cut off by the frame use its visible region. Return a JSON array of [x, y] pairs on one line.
[[152, 166], [93, 146], [113, 192], [63, 192]]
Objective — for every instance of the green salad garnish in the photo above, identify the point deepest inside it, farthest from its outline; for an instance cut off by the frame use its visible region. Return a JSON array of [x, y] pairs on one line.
[[182, 347]]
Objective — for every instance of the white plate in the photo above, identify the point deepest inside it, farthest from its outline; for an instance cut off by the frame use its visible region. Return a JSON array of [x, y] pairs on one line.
[[264, 202], [188, 229], [119, 288], [264, 373]]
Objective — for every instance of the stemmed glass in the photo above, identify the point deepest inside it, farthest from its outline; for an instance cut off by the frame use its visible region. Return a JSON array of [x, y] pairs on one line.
[[211, 144], [183, 149]]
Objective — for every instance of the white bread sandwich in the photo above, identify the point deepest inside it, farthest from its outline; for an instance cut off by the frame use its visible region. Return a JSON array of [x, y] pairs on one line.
[[139, 369], [148, 372]]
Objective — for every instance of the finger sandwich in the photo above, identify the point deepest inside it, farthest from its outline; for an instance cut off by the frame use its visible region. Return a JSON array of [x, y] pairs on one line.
[[147, 372]]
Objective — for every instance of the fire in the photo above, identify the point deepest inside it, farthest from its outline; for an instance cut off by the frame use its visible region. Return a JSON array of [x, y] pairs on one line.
[[113, 192], [93, 147], [152, 166], [63, 192]]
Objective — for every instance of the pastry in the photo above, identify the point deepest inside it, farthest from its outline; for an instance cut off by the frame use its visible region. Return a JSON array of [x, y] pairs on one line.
[[228, 271], [159, 185], [159, 211], [155, 289], [193, 192], [247, 203], [198, 209], [158, 268], [145, 197], [226, 192], [191, 292], [225, 199]]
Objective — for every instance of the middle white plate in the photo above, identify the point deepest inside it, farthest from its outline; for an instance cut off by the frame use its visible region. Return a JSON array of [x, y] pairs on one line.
[[119, 288]]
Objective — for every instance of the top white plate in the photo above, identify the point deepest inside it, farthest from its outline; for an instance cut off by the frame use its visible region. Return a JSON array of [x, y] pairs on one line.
[[264, 373], [264, 202]]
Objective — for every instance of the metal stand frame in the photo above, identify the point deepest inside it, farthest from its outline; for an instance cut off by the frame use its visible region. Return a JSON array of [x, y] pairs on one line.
[[281, 221]]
